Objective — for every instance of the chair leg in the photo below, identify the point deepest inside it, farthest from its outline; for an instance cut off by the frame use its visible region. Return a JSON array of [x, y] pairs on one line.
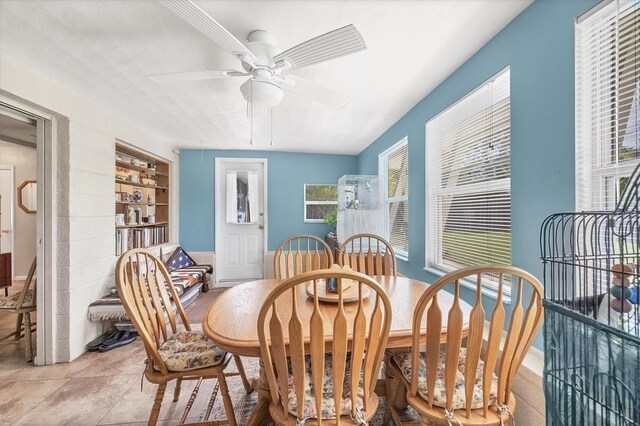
[[27, 336], [226, 399], [155, 411], [243, 376], [176, 391], [18, 326]]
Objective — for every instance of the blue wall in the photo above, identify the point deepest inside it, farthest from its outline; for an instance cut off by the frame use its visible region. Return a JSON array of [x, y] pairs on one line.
[[539, 47], [287, 174]]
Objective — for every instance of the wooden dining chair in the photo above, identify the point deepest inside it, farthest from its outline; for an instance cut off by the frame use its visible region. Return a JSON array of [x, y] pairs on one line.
[[22, 304], [460, 385], [299, 254], [150, 298], [369, 254], [341, 356]]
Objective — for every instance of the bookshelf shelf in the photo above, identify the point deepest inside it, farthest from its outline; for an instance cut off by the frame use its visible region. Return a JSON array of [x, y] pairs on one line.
[[143, 225], [139, 185]]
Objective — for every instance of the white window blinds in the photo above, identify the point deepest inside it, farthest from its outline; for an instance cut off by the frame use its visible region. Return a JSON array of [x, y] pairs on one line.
[[394, 168], [469, 179], [607, 103]]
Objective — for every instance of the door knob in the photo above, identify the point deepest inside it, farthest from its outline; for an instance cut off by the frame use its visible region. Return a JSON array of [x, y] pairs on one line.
[[260, 227]]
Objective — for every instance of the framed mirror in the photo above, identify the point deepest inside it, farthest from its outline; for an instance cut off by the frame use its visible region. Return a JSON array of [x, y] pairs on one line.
[[27, 196]]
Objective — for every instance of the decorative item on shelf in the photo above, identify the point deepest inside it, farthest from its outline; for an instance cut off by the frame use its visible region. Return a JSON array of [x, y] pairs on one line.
[[131, 216], [118, 156], [137, 195], [133, 178], [138, 163], [151, 218], [151, 166], [120, 219], [145, 219], [122, 173], [138, 215], [124, 197], [145, 179], [118, 197], [151, 200]]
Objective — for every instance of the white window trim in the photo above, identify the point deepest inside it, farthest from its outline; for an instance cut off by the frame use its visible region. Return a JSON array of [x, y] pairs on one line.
[[430, 266], [316, 203], [592, 168], [382, 168]]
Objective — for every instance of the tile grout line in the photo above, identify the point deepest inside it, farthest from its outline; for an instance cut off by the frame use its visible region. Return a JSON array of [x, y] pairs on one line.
[[116, 403], [43, 399]]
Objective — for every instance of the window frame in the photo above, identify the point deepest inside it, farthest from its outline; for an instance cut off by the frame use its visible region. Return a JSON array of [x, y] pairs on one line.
[[317, 203], [432, 214], [597, 184], [383, 168]]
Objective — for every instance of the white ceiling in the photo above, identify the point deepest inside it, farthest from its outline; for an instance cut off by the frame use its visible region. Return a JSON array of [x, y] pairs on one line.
[[107, 49]]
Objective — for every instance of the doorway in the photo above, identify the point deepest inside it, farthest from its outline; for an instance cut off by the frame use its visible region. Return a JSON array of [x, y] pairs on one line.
[[240, 219], [18, 212]]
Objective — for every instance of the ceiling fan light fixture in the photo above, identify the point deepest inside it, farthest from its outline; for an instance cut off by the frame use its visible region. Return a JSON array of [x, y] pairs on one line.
[[261, 93]]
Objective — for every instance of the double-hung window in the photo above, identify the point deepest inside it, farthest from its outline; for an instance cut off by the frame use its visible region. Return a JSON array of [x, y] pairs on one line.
[[319, 200], [394, 170], [607, 102], [469, 180]]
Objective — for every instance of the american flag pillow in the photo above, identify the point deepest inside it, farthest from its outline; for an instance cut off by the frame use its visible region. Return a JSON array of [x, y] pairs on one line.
[[179, 259]]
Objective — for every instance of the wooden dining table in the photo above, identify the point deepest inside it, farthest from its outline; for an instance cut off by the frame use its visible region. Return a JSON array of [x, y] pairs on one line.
[[231, 321]]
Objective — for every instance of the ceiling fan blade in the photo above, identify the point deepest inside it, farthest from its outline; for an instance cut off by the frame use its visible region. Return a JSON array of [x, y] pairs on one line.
[[195, 76], [334, 44], [311, 90], [201, 20]]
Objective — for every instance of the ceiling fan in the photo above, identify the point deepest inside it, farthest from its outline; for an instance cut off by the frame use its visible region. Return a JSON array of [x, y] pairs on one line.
[[264, 63]]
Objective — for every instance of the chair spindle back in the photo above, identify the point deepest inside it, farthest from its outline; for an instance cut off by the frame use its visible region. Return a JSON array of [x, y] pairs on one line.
[[148, 296], [299, 254], [522, 329], [29, 281], [360, 328], [369, 254]]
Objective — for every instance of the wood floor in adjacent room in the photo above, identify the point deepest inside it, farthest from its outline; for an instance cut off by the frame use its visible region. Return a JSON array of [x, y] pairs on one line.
[[104, 388]]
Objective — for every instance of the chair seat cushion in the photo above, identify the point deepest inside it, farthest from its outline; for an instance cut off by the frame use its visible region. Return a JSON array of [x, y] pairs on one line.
[[190, 350], [11, 302], [328, 409], [403, 361]]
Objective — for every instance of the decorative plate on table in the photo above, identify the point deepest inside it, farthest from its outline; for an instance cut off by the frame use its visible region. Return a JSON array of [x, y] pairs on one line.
[[349, 292], [137, 195]]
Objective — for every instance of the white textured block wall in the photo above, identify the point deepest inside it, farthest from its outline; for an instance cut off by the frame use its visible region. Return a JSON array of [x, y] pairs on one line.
[[91, 227], [85, 197]]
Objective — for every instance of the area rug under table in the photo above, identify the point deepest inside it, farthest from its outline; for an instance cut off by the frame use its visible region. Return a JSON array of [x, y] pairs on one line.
[[244, 404]]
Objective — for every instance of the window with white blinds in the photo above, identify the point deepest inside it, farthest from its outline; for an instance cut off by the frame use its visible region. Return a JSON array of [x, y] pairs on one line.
[[394, 168], [469, 179], [607, 102]]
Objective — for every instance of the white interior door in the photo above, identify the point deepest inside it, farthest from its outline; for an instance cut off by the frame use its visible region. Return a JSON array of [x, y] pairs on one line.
[[240, 220], [6, 210]]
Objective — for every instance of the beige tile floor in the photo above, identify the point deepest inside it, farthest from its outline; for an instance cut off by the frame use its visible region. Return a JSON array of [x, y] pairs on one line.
[[96, 388], [104, 388]]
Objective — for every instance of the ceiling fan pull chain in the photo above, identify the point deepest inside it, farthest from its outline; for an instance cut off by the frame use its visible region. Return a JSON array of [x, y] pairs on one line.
[[250, 105], [271, 126]]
